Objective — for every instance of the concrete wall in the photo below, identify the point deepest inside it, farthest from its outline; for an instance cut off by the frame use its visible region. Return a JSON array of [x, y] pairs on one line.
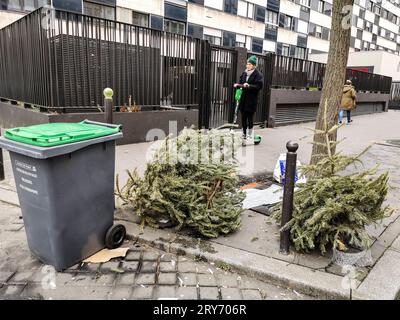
[[298, 98], [137, 127]]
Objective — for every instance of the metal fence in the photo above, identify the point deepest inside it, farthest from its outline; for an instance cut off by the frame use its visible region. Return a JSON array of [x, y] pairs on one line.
[[394, 102], [67, 66]]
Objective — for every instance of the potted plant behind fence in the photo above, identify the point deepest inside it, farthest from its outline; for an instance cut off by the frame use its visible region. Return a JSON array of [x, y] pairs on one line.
[[333, 207]]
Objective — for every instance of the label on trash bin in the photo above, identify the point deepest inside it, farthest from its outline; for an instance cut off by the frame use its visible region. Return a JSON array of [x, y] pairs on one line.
[[29, 172]]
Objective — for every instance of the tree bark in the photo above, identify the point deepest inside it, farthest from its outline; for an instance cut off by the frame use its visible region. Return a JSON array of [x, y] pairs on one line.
[[335, 74]]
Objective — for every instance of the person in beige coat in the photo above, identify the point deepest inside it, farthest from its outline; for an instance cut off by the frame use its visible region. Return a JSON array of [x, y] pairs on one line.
[[348, 101]]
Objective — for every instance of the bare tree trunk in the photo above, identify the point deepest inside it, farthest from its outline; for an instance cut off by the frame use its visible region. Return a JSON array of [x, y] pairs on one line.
[[335, 74]]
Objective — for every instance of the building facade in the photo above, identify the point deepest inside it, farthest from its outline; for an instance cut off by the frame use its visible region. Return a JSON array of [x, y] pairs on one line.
[[295, 28]]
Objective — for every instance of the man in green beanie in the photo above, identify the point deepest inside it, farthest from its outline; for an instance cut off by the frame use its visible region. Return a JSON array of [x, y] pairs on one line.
[[252, 82]]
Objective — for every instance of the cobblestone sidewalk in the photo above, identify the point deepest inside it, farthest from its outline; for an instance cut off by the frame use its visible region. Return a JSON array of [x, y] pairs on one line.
[[144, 273]]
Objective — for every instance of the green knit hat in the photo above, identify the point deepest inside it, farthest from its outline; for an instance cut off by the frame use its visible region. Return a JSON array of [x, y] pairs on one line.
[[252, 60]]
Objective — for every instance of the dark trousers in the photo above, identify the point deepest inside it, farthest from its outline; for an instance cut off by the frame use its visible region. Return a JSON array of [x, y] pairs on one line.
[[247, 120], [348, 116]]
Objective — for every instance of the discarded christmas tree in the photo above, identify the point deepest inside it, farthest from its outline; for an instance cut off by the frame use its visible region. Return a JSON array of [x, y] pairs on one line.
[[333, 208], [191, 181]]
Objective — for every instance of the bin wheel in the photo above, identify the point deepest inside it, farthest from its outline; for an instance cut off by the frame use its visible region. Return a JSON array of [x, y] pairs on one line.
[[115, 236]]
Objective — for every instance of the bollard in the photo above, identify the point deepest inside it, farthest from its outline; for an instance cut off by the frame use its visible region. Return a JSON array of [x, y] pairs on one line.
[[288, 191], [108, 105]]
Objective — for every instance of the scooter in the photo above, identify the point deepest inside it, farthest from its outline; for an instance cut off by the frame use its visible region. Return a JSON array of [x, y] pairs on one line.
[[238, 95]]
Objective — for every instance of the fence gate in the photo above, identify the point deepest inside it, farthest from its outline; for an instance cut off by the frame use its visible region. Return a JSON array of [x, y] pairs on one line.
[[265, 66], [222, 76]]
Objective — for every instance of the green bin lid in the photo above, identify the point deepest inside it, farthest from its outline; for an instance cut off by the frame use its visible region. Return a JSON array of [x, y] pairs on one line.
[[54, 134]]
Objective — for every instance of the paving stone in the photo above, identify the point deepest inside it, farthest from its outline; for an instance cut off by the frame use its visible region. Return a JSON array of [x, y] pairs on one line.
[[168, 258], [4, 276], [187, 266], [230, 294], [167, 266], [164, 292], [12, 291], [22, 276], [377, 250], [120, 293], [130, 266], [209, 293], [150, 256], [142, 293], [227, 280], [248, 283], [66, 293], [167, 278], [188, 279], [105, 280], [186, 293], [149, 267], [146, 279], [396, 244], [91, 267], [105, 267], [126, 279], [133, 255], [206, 280], [249, 294]]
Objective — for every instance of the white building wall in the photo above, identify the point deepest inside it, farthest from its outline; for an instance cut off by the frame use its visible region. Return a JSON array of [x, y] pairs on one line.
[[386, 43], [7, 18], [287, 36], [221, 20], [318, 44], [153, 6], [320, 19], [289, 8], [389, 25]]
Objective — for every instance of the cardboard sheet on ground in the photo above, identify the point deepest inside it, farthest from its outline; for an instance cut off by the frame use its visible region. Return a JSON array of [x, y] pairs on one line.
[[106, 255], [255, 197]]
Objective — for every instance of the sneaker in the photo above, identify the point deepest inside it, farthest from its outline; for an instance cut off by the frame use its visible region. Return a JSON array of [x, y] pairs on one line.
[[244, 136]]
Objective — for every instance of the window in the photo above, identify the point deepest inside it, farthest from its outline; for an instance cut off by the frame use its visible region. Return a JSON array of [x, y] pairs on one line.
[[377, 10], [286, 21], [229, 39], [174, 26], [370, 6], [300, 53], [385, 13], [320, 6], [368, 26], [98, 10], [174, 12], [271, 17], [285, 50], [197, 1], [157, 22], [71, 5], [304, 2], [22, 5], [302, 41], [318, 31], [273, 5], [213, 39], [140, 19], [257, 45], [260, 14], [231, 6], [271, 32], [328, 9], [195, 31]]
